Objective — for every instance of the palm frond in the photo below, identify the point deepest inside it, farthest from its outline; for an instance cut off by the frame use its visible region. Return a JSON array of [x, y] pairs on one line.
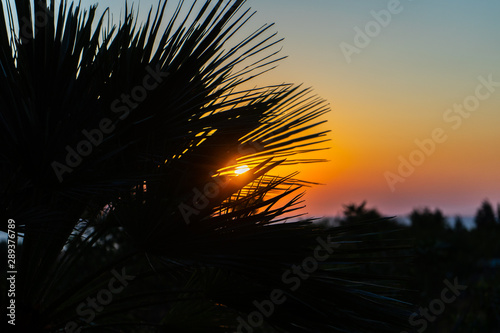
[[120, 146]]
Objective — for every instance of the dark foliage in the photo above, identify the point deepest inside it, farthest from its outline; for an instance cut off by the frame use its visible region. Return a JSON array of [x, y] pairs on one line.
[[485, 216], [119, 151]]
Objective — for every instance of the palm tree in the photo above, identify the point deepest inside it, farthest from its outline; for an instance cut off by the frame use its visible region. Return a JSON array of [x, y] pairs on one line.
[[139, 174]]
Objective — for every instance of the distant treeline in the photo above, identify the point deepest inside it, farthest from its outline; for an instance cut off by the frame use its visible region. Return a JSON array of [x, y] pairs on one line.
[[439, 252], [486, 217]]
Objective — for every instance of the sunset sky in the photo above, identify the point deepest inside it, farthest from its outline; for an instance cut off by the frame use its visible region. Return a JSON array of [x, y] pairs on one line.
[[396, 90], [405, 83]]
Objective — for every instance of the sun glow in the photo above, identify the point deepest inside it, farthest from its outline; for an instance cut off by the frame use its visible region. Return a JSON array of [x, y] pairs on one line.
[[241, 169]]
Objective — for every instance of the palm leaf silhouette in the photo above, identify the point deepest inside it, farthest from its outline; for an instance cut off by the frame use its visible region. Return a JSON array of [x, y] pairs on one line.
[[152, 189]]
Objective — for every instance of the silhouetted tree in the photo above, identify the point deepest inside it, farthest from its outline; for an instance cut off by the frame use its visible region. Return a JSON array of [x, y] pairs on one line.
[[498, 213], [119, 146], [355, 213], [428, 220], [485, 217]]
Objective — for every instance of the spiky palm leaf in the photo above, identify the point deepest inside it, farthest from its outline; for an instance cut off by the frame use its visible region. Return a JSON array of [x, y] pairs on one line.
[[133, 202]]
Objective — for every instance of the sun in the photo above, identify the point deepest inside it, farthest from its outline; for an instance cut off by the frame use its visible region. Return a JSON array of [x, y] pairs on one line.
[[241, 169]]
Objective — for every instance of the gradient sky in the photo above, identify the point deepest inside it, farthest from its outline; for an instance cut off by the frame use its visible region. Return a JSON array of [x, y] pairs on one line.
[[394, 91]]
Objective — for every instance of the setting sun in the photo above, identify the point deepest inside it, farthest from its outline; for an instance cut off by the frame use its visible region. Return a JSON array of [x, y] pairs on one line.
[[241, 169]]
